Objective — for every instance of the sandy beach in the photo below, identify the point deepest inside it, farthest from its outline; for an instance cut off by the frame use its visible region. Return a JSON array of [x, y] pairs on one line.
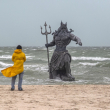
[[55, 97]]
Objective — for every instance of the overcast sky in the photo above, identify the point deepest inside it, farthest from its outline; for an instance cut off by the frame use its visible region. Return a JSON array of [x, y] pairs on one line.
[[20, 21]]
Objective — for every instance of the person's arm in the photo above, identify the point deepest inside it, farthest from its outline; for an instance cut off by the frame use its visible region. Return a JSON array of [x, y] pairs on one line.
[[76, 39], [13, 57], [24, 58]]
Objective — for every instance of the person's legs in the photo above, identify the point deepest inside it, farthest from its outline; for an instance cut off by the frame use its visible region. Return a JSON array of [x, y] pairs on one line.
[[20, 81], [13, 82]]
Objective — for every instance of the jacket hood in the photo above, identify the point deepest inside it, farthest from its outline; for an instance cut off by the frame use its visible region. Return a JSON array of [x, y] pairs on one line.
[[18, 51]]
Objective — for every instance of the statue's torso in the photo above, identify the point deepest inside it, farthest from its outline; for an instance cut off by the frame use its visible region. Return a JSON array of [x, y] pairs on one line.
[[61, 41]]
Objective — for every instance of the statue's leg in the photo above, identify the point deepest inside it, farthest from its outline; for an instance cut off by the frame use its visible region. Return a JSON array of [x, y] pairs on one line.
[[55, 75], [65, 78], [67, 68], [50, 76]]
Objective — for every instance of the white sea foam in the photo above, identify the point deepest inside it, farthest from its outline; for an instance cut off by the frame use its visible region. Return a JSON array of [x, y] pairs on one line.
[[82, 81], [42, 59], [91, 58], [5, 64], [1, 69], [34, 49], [106, 79], [5, 57], [89, 64], [79, 73], [35, 67], [51, 50], [73, 52], [10, 56], [30, 57]]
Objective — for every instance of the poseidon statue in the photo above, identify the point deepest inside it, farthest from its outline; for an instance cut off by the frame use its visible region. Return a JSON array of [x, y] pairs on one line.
[[59, 66]]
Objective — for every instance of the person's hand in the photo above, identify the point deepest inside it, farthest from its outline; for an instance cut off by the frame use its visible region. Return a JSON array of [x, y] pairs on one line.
[[80, 43], [46, 45]]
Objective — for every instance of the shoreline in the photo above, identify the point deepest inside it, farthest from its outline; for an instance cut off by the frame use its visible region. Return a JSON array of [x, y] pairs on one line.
[[55, 97]]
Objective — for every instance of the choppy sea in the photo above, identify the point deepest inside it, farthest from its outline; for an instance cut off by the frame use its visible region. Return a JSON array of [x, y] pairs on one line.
[[90, 65]]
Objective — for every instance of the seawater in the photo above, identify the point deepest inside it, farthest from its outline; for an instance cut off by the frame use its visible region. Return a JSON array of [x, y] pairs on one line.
[[89, 65]]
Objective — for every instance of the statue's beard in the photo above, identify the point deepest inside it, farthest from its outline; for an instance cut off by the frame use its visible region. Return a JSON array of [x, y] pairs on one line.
[[63, 31]]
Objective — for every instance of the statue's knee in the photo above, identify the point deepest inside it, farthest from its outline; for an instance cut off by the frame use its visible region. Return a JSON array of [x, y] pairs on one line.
[[67, 64], [67, 58]]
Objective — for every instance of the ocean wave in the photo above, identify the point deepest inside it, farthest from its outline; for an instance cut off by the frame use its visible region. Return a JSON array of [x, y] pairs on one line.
[[30, 57], [33, 49], [1, 69], [5, 57], [5, 64], [89, 64], [81, 81], [79, 73], [51, 50], [36, 67], [91, 58], [10, 56], [106, 79], [41, 59]]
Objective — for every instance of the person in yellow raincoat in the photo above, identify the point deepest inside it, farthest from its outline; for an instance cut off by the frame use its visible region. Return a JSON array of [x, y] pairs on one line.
[[18, 58]]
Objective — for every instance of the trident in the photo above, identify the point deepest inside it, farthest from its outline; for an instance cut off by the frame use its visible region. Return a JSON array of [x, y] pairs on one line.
[[46, 33]]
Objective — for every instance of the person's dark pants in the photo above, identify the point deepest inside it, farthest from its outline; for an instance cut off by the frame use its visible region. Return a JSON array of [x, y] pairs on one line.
[[19, 82]]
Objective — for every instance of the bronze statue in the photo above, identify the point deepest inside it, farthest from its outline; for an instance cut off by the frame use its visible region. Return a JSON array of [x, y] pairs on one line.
[[59, 66]]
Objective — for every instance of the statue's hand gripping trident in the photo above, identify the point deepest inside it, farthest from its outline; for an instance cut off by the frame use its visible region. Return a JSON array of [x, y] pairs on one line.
[[46, 33]]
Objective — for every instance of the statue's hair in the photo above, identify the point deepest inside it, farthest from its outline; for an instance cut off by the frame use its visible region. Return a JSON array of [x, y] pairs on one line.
[[62, 26]]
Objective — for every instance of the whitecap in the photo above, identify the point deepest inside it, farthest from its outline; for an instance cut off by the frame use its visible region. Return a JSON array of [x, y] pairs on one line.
[[34, 49], [5, 64], [91, 58], [89, 64], [6, 57], [82, 81], [29, 57], [42, 59], [1, 69], [73, 52], [79, 73], [44, 68], [36, 67], [106, 79], [9, 57], [51, 50]]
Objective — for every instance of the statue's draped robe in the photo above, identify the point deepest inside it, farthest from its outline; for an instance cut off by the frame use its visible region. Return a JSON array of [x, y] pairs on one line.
[[58, 60]]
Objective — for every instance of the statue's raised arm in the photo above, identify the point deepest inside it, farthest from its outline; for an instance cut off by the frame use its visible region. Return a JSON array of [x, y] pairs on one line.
[[76, 39]]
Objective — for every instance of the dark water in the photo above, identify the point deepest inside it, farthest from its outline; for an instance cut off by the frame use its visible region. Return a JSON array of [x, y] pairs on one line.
[[90, 65]]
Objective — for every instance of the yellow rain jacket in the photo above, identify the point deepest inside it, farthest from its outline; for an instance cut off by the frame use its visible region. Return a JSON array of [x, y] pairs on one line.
[[18, 58]]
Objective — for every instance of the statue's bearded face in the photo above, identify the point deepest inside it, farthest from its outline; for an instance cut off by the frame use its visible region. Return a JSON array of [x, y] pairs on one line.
[[63, 30]]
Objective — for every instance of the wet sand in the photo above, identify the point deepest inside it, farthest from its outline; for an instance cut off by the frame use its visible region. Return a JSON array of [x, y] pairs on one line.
[[55, 97]]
